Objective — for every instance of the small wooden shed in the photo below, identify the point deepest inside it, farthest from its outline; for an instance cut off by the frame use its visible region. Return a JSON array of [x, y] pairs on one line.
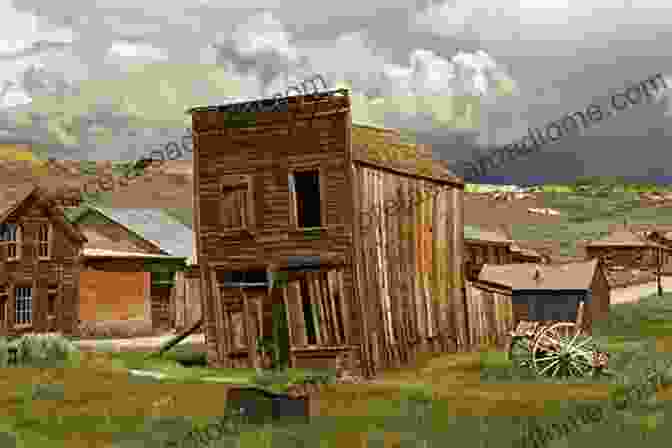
[[376, 222], [484, 246], [626, 248], [551, 290]]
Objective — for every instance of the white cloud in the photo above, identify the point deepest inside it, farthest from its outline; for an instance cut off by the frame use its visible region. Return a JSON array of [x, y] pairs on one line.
[[263, 33], [137, 51]]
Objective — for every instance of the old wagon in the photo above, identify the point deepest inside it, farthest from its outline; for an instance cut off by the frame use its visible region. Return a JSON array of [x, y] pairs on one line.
[[554, 307], [556, 348]]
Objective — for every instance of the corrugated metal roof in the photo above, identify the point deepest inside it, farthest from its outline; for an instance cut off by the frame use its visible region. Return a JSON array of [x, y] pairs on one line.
[[92, 252], [154, 225]]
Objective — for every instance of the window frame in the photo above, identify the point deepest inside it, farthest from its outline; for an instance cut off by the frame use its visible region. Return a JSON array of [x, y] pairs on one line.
[[293, 202], [28, 310], [233, 183], [52, 292], [48, 242], [16, 243]]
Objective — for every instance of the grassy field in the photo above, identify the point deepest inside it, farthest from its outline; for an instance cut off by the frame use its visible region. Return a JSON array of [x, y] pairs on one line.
[[91, 400]]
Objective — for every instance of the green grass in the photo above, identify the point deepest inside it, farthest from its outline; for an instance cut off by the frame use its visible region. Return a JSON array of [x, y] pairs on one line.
[[408, 414]]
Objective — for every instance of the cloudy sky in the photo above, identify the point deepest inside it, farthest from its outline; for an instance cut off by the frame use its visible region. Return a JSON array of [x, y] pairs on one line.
[[112, 79]]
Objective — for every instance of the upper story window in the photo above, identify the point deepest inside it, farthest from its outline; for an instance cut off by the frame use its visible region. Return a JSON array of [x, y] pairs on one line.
[[44, 241], [306, 195], [10, 235], [236, 205], [23, 305]]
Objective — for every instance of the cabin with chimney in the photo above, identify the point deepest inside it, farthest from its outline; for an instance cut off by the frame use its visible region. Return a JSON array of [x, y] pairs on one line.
[[334, 242], [39, 263]]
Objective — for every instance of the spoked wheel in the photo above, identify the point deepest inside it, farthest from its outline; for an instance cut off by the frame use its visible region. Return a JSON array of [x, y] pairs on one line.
[[519, 352], [563, 350]]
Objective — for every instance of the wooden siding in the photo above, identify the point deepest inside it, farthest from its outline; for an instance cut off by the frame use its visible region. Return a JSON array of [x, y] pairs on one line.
[[185, 301], [478, 253], [267, 154], [400, 290], [59, 273], [491, 317], [632, 257], [408, 264]]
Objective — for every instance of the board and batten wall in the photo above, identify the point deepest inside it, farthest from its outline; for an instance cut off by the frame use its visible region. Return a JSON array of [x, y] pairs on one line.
[[409, 265]]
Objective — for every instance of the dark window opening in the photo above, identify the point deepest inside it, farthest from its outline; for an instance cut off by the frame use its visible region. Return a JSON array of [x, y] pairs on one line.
[[3, 308], [308, 313], [245, 277], [308, 201], [51, 304]]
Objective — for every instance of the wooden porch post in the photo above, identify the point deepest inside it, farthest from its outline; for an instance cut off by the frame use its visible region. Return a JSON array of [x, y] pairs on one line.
[[249, 336]]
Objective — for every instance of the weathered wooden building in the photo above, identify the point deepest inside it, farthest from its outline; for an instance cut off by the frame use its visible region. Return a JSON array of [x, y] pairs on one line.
[[624, 248], [130, 276], [660, 234], [39, 264], [484, 246], [558, 287], [339, 240]]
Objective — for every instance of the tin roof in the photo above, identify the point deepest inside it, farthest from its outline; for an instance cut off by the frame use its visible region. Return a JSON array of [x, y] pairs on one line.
[[531, 276], [152, 225], [105, 253]]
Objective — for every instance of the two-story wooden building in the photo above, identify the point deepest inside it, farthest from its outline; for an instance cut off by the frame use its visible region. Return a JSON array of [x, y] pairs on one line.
[[39, 263], [337, 239]]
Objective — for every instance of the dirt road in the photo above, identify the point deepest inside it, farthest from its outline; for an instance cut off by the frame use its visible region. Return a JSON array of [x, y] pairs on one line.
[[634, 293], [137, 344]]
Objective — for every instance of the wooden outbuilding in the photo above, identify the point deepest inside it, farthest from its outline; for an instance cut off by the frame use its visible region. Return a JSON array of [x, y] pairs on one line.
[[660, 234], [625, 248], [561, 287], [39, 263], [337, 240], [485, 246], [130, 277]]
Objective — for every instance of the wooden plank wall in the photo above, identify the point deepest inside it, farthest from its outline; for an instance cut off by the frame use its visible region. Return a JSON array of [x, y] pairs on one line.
[[327, 296], [409, 265], [490, 317]]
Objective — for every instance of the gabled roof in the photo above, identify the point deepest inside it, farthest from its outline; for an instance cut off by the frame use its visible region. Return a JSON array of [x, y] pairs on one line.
[[570, 276], [152, 225], [12, 198], [622, 238]]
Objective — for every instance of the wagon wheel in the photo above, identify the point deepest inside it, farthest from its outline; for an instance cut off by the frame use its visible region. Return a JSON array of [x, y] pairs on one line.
[[519, 351], [563, 350]]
